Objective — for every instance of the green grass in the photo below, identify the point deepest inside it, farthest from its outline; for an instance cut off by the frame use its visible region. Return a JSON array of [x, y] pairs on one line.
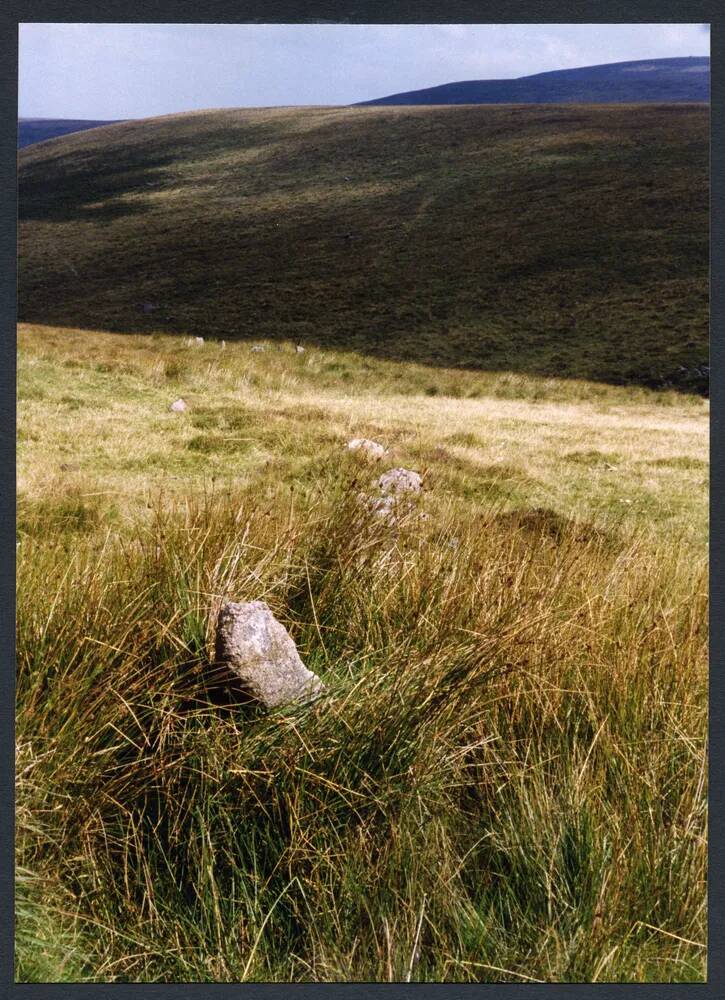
[[506, 779], [538, 240]]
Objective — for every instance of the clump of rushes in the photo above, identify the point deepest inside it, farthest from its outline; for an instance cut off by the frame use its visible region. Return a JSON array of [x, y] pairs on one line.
[[505, 780]]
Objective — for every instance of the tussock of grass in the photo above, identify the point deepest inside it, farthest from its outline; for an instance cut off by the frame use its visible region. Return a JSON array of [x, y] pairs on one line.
[[505, 780], [72, 509]]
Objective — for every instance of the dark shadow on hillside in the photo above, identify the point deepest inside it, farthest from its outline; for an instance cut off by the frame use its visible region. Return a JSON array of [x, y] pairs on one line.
[[88, 170], [79, 193]]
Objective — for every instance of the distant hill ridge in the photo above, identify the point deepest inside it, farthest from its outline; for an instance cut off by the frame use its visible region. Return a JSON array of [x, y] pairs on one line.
[[641, 80], [32, 130]]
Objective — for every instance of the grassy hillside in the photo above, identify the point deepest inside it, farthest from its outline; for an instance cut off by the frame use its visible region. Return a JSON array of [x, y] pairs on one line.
[[548, 240], [506, 780]]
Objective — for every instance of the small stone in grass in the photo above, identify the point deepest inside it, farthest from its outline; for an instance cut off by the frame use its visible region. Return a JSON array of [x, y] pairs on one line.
[[178, 406], [400, 481], [371, 448]]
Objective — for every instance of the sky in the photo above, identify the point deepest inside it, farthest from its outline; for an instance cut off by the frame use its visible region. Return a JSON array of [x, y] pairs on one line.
[[106, 71]]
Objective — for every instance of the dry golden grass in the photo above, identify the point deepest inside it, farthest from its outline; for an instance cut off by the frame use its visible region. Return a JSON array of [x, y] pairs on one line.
[[93, 408]]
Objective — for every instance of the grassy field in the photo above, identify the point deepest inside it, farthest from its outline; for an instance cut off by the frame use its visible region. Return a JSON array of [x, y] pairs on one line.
[[506, 780], [556, 241]]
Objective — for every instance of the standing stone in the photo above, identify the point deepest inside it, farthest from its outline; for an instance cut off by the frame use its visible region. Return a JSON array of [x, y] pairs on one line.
[[259, 650], [178, 406]]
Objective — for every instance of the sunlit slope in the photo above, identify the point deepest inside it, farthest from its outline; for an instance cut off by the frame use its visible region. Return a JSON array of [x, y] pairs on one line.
[[551, 240]]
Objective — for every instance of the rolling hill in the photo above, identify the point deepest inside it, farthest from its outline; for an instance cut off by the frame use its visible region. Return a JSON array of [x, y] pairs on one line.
[[32, 130], [557, 241], [662, 80]]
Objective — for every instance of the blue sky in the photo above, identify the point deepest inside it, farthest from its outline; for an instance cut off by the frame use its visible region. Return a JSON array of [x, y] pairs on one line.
[[139, 70]]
